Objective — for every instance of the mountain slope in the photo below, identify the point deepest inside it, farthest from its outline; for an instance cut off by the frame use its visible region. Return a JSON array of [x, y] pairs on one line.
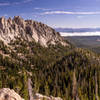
[[51, 69], [58, 70], [28, 30]]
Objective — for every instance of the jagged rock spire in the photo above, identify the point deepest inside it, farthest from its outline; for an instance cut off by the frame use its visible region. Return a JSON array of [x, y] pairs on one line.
[[28, 30]]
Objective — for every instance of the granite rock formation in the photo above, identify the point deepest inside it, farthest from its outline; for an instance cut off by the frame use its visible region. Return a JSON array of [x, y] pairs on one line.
[[28, 30], [8, 94]]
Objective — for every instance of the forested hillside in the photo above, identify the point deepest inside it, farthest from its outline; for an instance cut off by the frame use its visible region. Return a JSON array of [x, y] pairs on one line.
[[89, 42], [64, 71]]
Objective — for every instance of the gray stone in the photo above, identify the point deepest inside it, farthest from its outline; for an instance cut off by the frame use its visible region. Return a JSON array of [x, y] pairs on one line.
[[29, 30], [8, 94]]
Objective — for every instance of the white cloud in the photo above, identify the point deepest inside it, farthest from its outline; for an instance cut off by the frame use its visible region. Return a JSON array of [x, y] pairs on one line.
[[26, 1], [80, 17], [4, 4], [5, 15], [44, 9], [80, 34], [70, 13], [14, 3]]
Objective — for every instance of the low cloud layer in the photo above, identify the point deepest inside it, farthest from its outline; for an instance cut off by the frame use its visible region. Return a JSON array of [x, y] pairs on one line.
[[70, 13], [80, 34]]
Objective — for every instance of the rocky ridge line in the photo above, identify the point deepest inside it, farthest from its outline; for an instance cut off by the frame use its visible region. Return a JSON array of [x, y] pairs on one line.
[[28, 30]]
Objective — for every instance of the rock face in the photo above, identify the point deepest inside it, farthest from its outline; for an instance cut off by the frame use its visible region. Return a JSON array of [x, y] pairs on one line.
[[42, 97], [7, 94], [29, 30]]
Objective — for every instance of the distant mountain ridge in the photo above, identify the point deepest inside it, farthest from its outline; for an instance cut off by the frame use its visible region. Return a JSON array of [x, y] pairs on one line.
[[79, 30]]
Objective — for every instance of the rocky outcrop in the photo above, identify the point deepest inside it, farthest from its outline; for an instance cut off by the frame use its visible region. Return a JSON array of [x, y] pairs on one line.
[[8, 94], [42, 97], [28, 30]]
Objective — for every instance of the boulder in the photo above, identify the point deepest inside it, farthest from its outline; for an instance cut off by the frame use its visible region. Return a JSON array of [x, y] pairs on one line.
[[8, 94]]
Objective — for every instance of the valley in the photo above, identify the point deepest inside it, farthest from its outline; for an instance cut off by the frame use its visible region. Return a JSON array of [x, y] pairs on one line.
[[89, 42]]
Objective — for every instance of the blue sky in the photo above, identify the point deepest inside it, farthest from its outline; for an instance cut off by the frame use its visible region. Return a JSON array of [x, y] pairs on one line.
[[55, 13]]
